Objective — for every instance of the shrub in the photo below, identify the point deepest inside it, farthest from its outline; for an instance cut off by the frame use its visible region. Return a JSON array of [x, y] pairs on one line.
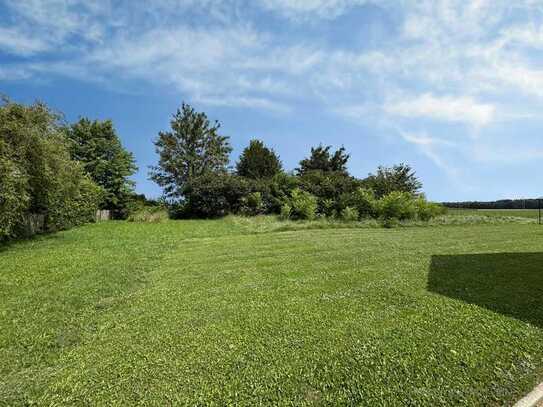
[[327, 207], [14, 197], [363, 200], [349, 214], [215, 195], [252, 204], [303, 204], [277, 190], [37, 175], [427, 210], [397, 205], [285, 212], [328, 185]]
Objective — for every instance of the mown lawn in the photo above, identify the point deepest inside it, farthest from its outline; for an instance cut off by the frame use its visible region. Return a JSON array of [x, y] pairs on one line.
[[216, 313]]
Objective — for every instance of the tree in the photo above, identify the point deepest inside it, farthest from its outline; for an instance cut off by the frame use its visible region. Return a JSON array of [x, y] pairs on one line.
[[37, 175], [258, 162], [400, 178], [191, 149], [97, 146], [322, 160]]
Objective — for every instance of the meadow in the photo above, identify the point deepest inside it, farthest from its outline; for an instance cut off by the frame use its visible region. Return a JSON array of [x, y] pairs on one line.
[[261, 312], [522, 213]]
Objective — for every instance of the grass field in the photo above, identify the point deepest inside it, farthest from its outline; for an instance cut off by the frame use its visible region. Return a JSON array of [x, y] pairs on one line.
[[230, 312], [523, 213]]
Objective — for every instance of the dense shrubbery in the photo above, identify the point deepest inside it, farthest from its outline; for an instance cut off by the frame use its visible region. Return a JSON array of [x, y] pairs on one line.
[[66, 173], [193, 169], [37, 174]]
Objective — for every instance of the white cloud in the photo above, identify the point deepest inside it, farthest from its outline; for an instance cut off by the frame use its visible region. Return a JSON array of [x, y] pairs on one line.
[[16, 42], [452, 109], [449, 61], [301, 9], [429, 146]]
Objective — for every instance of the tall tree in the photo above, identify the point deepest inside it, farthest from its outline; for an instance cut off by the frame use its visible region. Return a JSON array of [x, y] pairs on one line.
[[191, 149], [258, 161], [98, 147], [400, 177], [37, 175], [321, 159]]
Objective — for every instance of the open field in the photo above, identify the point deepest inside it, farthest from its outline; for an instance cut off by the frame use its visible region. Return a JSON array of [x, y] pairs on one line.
[[523, 213], [230, 312]]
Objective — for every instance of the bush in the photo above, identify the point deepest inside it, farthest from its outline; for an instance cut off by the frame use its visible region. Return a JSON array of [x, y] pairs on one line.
[[14, 197], [397, 205], [277, 191], [328, 185], [37, 175], [215, 195], [252, 204], [427, 210], [285, 211], [303, 204], [327, 207], [349, 214], [363, 200]]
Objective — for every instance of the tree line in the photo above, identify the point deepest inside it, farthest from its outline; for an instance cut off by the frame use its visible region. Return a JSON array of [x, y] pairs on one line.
[[194, 172], [500, 204], [66, 171]]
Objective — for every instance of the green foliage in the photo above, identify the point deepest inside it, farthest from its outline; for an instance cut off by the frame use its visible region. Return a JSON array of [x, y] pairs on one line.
[[397, 205], [303, 205], [215, 195], [257, 161], [363, 200], [286, 210], [327, 207], [14, 197], [252, 204], [328, 185], [349, 214], [38, 175], [279, 189], [193, 148], [427, 210], [97, 146], [322, 160], [76, 201], [398, 178]]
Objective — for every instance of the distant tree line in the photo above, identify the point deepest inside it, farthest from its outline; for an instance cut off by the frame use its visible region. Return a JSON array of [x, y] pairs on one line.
[[193, 170], [59, 171], [501, 204]]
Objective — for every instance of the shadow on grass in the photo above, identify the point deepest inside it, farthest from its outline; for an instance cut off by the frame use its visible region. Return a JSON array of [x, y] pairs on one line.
[[6, 245], [508, 283]]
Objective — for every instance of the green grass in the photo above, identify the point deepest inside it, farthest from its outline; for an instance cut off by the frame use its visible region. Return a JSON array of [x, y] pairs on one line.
[[522, 213], [244, 312]]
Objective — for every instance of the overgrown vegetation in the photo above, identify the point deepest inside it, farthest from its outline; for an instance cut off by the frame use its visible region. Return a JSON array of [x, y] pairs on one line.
[[37, 174], [193, 170], [66, 171]]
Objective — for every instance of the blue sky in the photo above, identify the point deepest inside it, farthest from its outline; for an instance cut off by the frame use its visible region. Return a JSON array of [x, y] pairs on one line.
[[454, 88]]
